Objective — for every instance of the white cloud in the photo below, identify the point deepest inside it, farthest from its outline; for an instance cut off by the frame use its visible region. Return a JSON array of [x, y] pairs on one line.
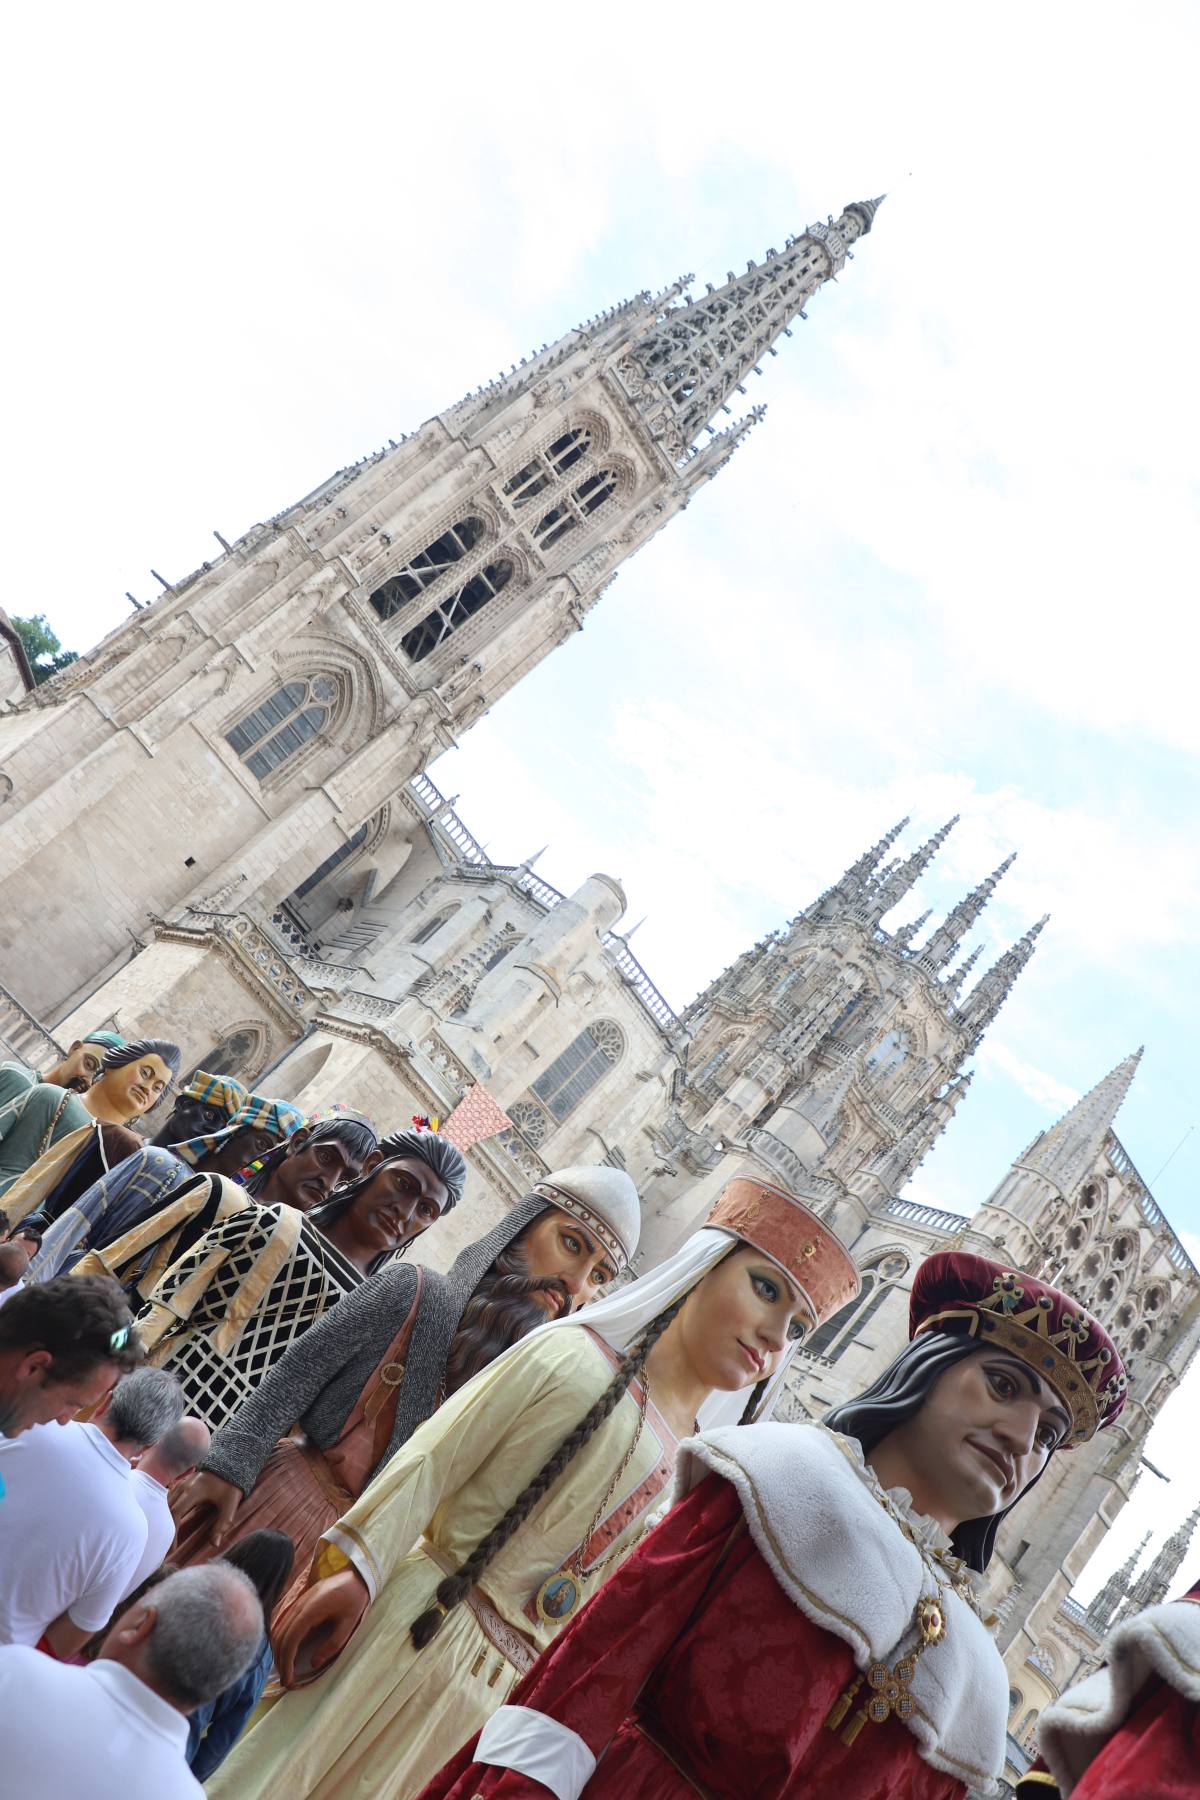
[[1042, 1088]]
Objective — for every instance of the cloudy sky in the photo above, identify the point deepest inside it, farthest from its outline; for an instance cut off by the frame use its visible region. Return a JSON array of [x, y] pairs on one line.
[[952, 571]]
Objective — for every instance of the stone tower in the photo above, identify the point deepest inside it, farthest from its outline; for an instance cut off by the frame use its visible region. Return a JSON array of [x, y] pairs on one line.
[[1107, 1604], [225, 741], [1154, 1583], [1074, 1209], [831, 1054]]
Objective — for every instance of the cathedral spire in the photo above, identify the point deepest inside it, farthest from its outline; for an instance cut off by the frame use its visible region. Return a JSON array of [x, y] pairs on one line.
[[851, 884], [1068, 1149], [907, 934], [955, 926], [896, 882], [953, 982], [1153, 1583], [1107, 1603], [897, 1163], [993, 988], [689, 361]]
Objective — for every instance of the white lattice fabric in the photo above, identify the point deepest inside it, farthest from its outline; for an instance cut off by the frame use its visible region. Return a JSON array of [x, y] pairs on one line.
[[224, 1314]]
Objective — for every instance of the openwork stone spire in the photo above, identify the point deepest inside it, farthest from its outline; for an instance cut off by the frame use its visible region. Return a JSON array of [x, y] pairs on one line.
[[954, 928], [1153, 1583], [1068, 1149], [851, 884], [1115, 1591], [953, 982], [992, 990], [908, 934], [896, 883], [687, 365]]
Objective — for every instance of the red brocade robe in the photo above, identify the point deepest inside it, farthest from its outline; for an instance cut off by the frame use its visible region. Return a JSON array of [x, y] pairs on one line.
[[692, 1672], [1121, 1735]]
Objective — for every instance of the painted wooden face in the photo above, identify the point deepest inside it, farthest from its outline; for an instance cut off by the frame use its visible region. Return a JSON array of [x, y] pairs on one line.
[[556, 1244], [136, 1086], [737, 1323]]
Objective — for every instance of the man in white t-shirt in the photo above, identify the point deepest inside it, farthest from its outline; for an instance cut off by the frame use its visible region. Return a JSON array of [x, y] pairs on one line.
[[71, 1531], [117, 1729], [164, 1464]]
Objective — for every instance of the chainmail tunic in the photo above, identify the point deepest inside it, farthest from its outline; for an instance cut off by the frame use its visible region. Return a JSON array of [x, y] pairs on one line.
[[228, 1309]]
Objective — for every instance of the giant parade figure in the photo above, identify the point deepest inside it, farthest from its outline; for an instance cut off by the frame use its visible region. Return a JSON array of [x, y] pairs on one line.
[[804, 1622], [507, 1509]]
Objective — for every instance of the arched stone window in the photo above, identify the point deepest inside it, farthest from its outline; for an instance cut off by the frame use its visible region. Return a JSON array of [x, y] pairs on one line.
[[583, 1063], [455, 610], [847, 1326], [548, 467], [431, 927], [568, 1080], [283, 723], [575, 508], [887, 1055], [238, 1053], [427, 567]]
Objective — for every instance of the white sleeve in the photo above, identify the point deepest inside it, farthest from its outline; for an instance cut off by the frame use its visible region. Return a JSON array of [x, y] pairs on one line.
[[113, 1579], [538, 1747]]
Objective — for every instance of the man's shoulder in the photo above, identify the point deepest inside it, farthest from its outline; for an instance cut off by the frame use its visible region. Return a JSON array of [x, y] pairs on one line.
[[150, 1494], [24, 1669]]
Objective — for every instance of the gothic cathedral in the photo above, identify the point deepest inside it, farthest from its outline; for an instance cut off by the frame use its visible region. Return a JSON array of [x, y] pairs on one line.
[[299, 902]]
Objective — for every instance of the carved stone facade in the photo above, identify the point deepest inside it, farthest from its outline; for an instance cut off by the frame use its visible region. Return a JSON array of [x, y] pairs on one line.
[[215, 748]]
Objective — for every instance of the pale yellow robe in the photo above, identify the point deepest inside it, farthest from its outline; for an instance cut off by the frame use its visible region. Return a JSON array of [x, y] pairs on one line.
[[387, 1716]]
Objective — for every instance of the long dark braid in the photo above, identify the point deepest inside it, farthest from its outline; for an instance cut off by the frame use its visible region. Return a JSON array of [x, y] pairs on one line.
[[454, 1588], [750, 1410]]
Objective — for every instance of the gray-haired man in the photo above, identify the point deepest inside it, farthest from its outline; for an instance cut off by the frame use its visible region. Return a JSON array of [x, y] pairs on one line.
[[117, 1729]]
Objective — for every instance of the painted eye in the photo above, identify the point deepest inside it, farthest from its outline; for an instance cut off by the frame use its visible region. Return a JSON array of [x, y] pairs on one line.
[[572, 1243], [796, 1331]]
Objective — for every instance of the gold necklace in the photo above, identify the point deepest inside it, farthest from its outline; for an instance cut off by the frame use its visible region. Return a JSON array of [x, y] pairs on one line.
[[560, 1595], [890, 1689]]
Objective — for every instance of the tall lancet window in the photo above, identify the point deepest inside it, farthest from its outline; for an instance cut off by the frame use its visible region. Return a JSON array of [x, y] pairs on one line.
[[548, 467], [427, 567], [575, 508], [423, 639], [282, 723]]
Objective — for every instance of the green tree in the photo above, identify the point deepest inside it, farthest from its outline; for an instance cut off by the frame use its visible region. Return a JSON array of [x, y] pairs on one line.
[[46, 655]]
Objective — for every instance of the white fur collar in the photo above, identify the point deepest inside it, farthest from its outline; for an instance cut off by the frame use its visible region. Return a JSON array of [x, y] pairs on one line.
[[1163, 1640], [822, 1523]]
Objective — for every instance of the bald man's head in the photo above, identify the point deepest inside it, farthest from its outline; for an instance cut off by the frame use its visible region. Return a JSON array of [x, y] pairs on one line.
[[177, 1452]]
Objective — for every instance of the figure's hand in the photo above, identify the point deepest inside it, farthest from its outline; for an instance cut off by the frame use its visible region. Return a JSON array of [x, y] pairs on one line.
[[200, 1493], [320, 1625]]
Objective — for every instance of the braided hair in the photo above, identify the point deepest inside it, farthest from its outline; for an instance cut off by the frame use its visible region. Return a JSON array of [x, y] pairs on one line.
[[454, 1588]]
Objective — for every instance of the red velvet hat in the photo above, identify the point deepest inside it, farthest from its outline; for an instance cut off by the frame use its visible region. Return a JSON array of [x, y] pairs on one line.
[[1071, 1351], [810, 1254]]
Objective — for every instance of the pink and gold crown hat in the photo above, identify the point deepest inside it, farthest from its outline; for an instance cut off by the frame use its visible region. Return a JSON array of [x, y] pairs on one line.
[[809, 1252]]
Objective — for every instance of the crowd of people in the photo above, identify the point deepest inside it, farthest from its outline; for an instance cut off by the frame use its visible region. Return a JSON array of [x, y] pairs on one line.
[[285, 1511]]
